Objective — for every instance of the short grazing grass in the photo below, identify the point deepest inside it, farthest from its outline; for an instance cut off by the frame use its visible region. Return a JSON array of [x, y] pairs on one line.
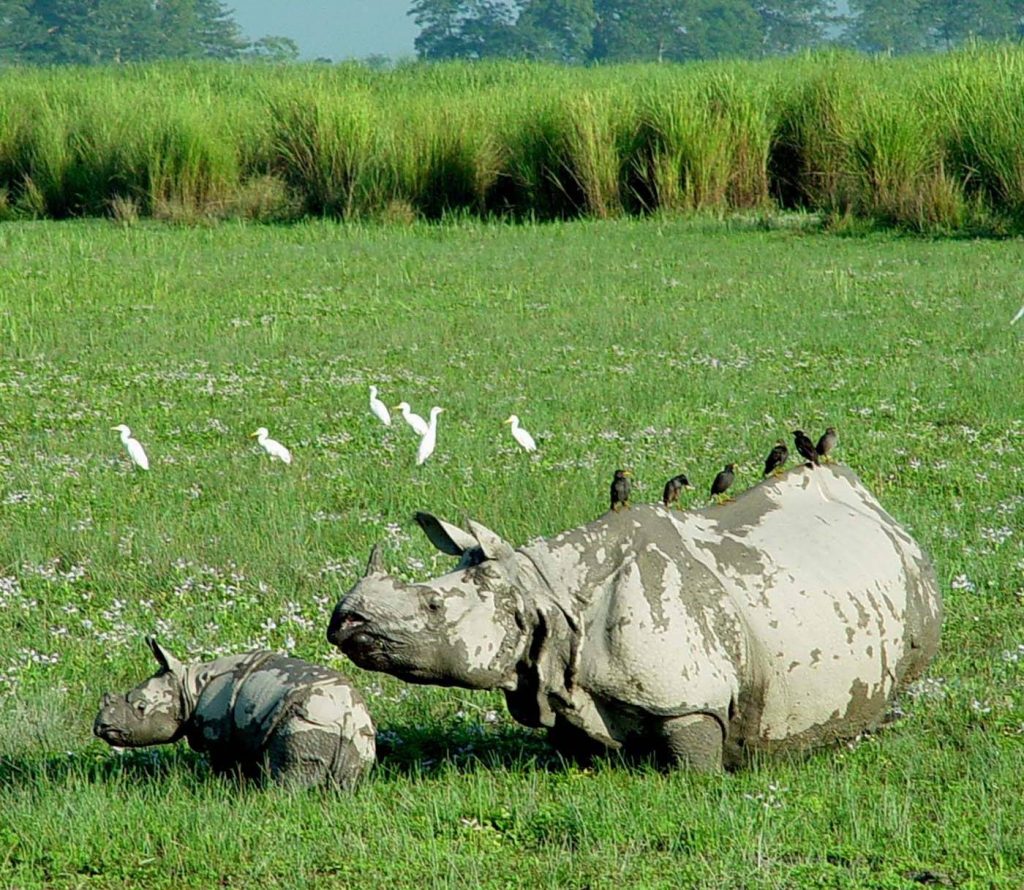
[[662, 345]]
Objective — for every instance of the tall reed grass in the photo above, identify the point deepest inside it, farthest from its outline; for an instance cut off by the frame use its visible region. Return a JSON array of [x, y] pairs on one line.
[[928, 143]]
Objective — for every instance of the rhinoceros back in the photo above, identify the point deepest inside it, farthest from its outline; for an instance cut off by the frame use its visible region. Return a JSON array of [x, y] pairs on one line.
[[841, 605], [295, 715]]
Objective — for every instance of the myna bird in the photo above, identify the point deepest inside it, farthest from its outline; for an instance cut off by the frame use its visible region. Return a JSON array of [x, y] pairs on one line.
[[672, 488], [621, 489], [806, 447], [827, 442], [723, 480], [776, 459]]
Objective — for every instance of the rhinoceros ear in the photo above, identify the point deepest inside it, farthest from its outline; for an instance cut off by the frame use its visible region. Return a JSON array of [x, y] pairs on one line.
[[492, 544], [164, 658], [444, 536], [375, 564]]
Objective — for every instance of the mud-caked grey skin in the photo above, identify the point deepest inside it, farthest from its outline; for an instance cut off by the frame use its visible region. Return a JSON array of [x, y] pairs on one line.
[[786, 619], [258, 714]]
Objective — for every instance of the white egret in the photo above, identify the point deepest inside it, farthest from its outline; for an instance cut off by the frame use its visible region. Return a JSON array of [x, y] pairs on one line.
[[135, 449], [429, 439], [418, 424], [272, 447], [379, 409], [521, 435]]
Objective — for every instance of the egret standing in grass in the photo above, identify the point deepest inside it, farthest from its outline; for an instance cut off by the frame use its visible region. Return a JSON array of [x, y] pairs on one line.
[[418, 424], [521, 435], [379, 409], [273, 448], [135, 450], [429, 440]]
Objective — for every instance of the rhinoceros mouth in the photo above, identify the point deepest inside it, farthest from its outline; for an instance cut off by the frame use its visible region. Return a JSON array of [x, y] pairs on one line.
[[112, 735], [354, 636]]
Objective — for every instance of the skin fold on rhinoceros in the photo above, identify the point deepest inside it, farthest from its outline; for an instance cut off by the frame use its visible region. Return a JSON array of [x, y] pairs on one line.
[[257, 714], [786, 619]]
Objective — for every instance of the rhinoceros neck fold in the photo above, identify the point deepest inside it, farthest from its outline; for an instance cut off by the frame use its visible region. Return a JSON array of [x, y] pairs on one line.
[[540, 558]]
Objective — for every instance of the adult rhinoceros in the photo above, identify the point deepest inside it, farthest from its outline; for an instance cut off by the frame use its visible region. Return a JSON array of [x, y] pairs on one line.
[[785, 619]]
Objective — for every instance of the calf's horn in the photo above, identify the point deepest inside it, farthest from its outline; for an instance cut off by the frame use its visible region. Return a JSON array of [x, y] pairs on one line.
[[375, 565]]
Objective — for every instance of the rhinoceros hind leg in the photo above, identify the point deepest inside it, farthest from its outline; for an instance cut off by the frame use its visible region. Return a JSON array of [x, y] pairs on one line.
[[693, 741], [297, 761]]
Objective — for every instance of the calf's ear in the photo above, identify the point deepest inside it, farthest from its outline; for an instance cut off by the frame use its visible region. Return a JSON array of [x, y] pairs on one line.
[[492, 544], [164, 658]]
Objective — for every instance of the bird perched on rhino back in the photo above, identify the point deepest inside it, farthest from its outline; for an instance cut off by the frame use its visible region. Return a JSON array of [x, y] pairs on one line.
[[621, 489], [826, 443], [723, 480], [805, 447], [673, 488], [776, 458]]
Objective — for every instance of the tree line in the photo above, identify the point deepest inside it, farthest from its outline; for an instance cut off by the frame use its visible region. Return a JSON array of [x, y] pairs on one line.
[[57, 32], [581, 31], [50, 32]]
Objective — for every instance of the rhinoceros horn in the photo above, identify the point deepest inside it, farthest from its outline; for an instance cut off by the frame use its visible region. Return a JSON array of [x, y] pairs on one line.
[[375, 564], [164, 658]]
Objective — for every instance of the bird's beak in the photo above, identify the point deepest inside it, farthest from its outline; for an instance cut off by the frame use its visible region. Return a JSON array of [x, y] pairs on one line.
[[507, 421], [688, 485], [627, 472], [253, 435]]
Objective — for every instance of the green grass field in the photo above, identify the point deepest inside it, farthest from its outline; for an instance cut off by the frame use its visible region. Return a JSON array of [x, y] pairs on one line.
[[662, 345]]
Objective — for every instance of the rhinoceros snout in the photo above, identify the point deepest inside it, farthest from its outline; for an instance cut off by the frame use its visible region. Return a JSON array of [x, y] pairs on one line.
[[344, 625]]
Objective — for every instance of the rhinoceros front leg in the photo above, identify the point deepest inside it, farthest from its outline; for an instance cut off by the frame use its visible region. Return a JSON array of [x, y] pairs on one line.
[[573, 743], [693, 741]]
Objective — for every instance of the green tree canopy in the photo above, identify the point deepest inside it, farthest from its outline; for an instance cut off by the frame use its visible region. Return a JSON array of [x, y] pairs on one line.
[[96, 31], [919, 25]]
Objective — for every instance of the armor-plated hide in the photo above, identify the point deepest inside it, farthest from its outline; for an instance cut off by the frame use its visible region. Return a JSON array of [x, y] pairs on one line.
[[785, 619], [259, 713]]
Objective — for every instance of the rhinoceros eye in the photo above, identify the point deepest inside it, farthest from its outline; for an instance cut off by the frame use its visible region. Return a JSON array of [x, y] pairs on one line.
[[434, 604], [140, 707]]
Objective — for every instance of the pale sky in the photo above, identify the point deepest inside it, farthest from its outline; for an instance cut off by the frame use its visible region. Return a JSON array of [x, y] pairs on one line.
[[337, 29]]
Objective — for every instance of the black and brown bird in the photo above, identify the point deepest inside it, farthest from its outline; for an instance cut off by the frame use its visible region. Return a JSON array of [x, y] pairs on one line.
[[672, 488], [621, 489], [806, 447], [723, 480], [827, 442], [776, 459]]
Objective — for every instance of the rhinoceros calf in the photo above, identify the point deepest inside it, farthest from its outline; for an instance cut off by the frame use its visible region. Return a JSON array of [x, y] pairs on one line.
[[257, 713], [786, 619]]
